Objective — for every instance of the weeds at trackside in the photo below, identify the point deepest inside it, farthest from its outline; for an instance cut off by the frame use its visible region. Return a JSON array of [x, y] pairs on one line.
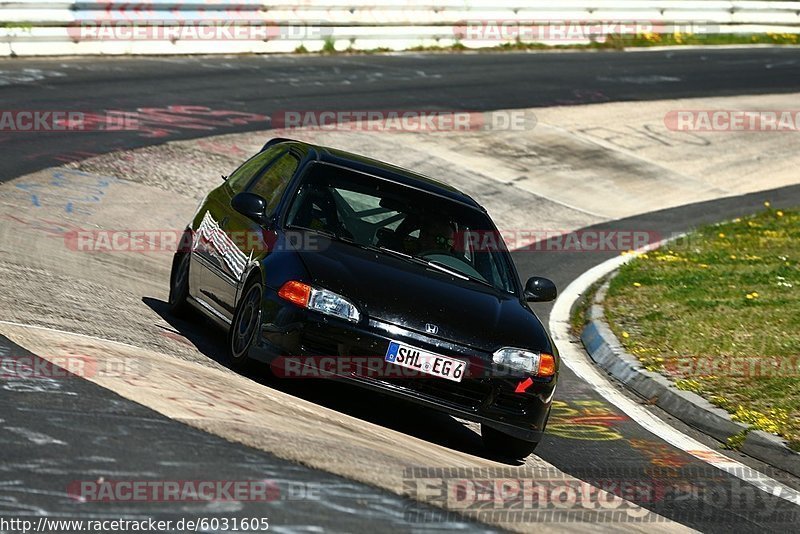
[[579, 315], [719, 313], [611, 42]]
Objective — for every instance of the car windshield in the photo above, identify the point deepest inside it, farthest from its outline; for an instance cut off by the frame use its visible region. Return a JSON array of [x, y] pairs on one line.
[[402, 221]]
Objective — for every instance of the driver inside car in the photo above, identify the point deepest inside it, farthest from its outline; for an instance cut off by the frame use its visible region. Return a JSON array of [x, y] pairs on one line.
[[436, 236]]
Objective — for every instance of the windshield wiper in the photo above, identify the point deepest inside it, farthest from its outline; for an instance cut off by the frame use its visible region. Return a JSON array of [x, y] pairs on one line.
[[427, 263], [408, 257], [402, 255], [438, 265], [445, 269]]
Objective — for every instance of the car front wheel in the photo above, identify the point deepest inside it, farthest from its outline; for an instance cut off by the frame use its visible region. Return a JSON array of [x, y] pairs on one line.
[[505, 446]]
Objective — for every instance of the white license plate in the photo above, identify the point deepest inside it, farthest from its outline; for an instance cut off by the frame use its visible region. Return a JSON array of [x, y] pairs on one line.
[[426, 362]]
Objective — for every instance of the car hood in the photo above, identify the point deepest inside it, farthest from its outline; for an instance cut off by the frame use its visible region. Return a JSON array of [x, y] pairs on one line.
[[411, 296]]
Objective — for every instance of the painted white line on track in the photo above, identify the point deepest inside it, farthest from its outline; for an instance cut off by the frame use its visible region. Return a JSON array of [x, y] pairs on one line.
[[578, 361]]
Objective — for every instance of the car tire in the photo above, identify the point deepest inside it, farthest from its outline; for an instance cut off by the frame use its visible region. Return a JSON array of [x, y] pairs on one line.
[[505, 446], [179, 285], [245, 325]]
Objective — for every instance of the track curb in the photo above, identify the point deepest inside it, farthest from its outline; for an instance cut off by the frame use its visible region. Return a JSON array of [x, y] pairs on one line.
[[605, 349]]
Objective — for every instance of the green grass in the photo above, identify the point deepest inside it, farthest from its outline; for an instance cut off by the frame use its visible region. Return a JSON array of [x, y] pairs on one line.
[[24, 26], [579, 315], [679, 39], [329, 47], [706, 312]]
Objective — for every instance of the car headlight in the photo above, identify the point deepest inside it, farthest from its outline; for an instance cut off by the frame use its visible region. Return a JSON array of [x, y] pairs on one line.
[[526, 361], [320, 300]]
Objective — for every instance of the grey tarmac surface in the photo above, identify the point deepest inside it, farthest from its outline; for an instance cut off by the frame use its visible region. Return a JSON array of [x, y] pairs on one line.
[[259, 86], [61, 431]]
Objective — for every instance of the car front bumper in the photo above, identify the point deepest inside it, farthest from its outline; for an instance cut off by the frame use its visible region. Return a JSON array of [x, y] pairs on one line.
[[485, 395]]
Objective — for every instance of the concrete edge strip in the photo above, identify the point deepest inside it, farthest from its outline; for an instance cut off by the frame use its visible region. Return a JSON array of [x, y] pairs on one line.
[[578, 361], [649, 515], [85, 336], [607, 351]]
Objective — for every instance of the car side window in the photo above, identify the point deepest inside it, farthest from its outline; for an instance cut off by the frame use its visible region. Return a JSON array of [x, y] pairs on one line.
[[248, 170], [273, 182]]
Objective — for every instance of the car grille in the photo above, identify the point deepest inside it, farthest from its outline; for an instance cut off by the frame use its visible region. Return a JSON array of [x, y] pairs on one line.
[[511, 403], [469, 394]]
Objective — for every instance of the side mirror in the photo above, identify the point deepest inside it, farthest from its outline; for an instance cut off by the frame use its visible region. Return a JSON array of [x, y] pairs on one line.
[[251, 206], [538, 289]]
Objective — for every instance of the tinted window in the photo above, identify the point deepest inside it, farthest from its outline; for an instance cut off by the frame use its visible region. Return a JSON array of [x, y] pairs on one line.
[[239, 178], [370, 212], [274, 180]]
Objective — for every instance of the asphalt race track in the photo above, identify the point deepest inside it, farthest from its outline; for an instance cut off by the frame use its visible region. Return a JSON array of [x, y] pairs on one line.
[[81, 430], [264, 85], [92, 431]]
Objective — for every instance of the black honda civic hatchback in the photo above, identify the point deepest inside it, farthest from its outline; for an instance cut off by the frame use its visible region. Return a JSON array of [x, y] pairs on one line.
[[324, 263]]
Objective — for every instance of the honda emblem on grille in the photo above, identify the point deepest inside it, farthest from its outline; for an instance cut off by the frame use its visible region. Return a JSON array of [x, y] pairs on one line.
[[431, 328]]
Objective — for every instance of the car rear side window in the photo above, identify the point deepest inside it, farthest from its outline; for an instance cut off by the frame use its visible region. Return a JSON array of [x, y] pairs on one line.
[[241, 177], [272, 183]]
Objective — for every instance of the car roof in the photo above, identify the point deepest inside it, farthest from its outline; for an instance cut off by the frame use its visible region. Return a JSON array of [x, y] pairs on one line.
[[381, 169]]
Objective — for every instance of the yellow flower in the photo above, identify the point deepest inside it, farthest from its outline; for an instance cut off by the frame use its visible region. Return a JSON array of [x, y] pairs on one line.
[[637, 284], [733, 256], [779, 213], [755, 294], [767, 204], [626, 335], [721, 235], [704, 265]]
